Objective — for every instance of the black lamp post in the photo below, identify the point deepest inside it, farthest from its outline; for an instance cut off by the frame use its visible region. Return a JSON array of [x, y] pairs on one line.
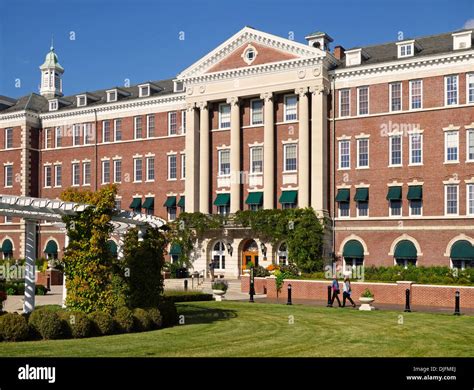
[[289, 295], [407, 300], [457, 310], [251, 289]]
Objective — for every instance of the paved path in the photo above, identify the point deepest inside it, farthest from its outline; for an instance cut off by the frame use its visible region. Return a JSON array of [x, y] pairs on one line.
[[15, 302]]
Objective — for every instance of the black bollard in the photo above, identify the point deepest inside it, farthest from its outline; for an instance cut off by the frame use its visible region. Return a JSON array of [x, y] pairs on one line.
[[289, 295], [407, 301], [329, 297], [185, 284], [252, 288], [457, 310]]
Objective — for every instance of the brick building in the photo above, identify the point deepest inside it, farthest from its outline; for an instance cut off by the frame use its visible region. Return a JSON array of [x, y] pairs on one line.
[[380, 139]]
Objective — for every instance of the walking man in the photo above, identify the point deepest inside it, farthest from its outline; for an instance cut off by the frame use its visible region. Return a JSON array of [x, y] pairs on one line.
[[347, 291], [335, 290], [211, 270]]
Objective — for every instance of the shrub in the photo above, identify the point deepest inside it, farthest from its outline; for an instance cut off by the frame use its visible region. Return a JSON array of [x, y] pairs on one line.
[[168, 312], [155, 316], [143, 321], [367, 294], [290, 270], [260, 272], [124, 320], [220, 285], [187, 296], [75, 324], [102, 323], [46, 324], [13, 327], [41, 290]]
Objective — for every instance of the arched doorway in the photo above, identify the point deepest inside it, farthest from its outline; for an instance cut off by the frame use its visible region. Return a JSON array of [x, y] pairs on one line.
[[249, 254], [218, 256], [405, 253], [353, 253]]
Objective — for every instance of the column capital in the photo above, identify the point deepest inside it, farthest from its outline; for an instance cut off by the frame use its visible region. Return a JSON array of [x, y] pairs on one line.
[[233, 101], [301, 91], [266, 96], [190, 107], [202, 105], [319, 89]]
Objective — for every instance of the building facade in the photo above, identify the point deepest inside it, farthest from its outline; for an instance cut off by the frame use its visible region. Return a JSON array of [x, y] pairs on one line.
[[378, 139]]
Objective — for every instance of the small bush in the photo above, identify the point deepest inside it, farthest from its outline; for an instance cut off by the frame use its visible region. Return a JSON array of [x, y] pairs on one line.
[[13, 327], [102, 323], [143, 321], [124, 320], [168, 312], [220, 285], [46, 324], [187, 296], [76, 324], [155, 316], [260, 272]]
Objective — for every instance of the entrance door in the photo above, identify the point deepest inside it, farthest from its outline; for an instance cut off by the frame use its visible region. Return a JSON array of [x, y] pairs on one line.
[[249, 254]]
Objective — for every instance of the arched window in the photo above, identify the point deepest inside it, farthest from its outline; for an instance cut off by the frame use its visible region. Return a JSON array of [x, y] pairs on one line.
[[51, 250], [7, 249], [218, 255], [462, 254], [353, 253], [282, 254], [405, 253]]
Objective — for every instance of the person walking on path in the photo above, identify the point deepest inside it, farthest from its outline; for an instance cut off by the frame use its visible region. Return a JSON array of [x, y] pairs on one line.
[[335, 291], [211, 270], [347, 291]]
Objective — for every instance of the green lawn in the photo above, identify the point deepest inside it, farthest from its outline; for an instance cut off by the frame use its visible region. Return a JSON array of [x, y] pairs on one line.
[[243, 329]]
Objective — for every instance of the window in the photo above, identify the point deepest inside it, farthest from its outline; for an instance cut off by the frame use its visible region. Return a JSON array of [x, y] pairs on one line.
[[138, 127], [118, 203], [363, 100], [183, 122], [172, 123], [183, 166], [451, 196], [105, 172], [48, 139], [172, 168], [48, 180], [470, 87], [58, 175], [395, 150], [118, 129], [138, 169], [76, 135], [451, 142], [8, 219], [144, 90], [416, 207], [58, 139], [111, 96], [451, 90], [106, 136], [8, 138], [223, 210], [218, 256], [53, 105], [344, 209], [282, 254], [88, 135], [344, 102], [224, 116], [150, 126], [470, 199], [172, 213], [290, 108], [416, 94], [150, 168], [86, 173], [75, 174], [395, 208], [117, 171], [256, 112], [405, 50], [8, 175], [362, 208], [416, 149], [290, 157], [256, 160], [395, 96], [81, 101], [224, 162], [362, 153], [344, 154], [470, 145]]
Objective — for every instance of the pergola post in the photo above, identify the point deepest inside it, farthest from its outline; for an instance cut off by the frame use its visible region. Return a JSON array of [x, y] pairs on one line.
[[30, 265], [120, 247], [66, 244]]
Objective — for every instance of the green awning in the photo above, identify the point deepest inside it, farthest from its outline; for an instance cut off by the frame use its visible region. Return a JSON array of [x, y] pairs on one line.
[[343, 195], [7, 246], [288, 197], [362, 195], [255, 198], [112, 246], [175, 249], [415, 193], [394, 193], [149, 203], [405, 250], [353, 249], [136, 203], [222, 200], [170, 201], [51, 248], [461, 250], [181, 202]]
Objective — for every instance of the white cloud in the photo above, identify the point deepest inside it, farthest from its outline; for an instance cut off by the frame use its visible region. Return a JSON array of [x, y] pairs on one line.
[[469, 23]]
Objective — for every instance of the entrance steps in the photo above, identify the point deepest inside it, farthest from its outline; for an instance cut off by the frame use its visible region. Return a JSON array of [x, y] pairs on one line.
[[204, 286]]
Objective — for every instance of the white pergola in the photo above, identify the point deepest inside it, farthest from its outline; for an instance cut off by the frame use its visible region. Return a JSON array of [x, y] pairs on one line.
[[34, 210]]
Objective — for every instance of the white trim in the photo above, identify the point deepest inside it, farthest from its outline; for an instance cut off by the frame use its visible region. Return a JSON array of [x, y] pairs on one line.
[[446, 90], [340, 105], [285, 146], [148, 158], [467, 198], [50, 167], [219, 118], [410, 44], [468, 131], [410, 148], [169, 122], [390, 164], [446, 199], [468, 75], [390, 96], [148, 125], [405, 237], [358, 153], [358, 100], [446, 133], [251, 112], [251, 150], [285, 108], [84, 164], [219, 152], [339, 147], [410, 95], [168, 160]]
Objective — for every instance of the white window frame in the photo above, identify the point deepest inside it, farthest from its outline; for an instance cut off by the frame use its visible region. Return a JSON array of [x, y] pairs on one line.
[[220, 116], [285, 152], [103, 132], [390, 161], [81, 100], [358, 100], [468, 186], [446, 200], [468, 133], [340, 102], [390, 209], [112, 96], [148, 118], [119, 120], [410, 93], [84, 176], [48, 168], [48, 135], [358, 153], [469, 76], [357, 210], [104, 162], [340, 143], [58, 167], [9, 134], [135, 127], [58, 136], [115, 170], [183, 122], [148, 170], [220, 172], [73, 174], [446, 134], [405, 46], [252, 123], [339, 210], [410, 149], [53, 105], [446, 90], [144, 90], [6, 168], [170, 156], [410, 209], [135, 161], [286, 107], [252, 150], [76, 142], [86, 127], [170, 114], [390, 100], [183, 166]]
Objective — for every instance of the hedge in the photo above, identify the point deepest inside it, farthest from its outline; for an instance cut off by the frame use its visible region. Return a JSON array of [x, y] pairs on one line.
[[13, 327], [187, 296], [18, 288], [45, 324]]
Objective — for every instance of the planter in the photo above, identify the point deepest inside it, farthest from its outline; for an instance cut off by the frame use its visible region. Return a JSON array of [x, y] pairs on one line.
[[246, 271], [366, 303], [218, 295]]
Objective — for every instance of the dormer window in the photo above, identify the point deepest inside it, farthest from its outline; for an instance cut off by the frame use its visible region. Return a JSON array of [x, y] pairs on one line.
[[178, 86], [462, 40], [406, 49], [81, 100], [53, 105], [144, 90], [112, 96]]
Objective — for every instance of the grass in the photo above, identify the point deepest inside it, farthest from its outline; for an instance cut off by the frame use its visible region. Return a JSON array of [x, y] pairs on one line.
[[243, 329]]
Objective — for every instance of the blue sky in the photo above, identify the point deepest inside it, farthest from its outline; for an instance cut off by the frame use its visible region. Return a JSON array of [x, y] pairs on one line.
[[139, 40]]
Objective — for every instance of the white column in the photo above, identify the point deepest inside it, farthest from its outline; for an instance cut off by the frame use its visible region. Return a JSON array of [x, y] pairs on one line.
[[66, 244], [303, 155], [319, 139], [30, 259], [235, 170], [268, 151], [192, 160], [204, 159]]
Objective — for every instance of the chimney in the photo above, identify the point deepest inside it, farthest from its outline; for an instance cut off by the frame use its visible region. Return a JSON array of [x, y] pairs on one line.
[[339, 52]]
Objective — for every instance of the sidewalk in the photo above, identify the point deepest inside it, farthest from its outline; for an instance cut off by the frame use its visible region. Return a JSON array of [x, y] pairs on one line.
[[15, 302]]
